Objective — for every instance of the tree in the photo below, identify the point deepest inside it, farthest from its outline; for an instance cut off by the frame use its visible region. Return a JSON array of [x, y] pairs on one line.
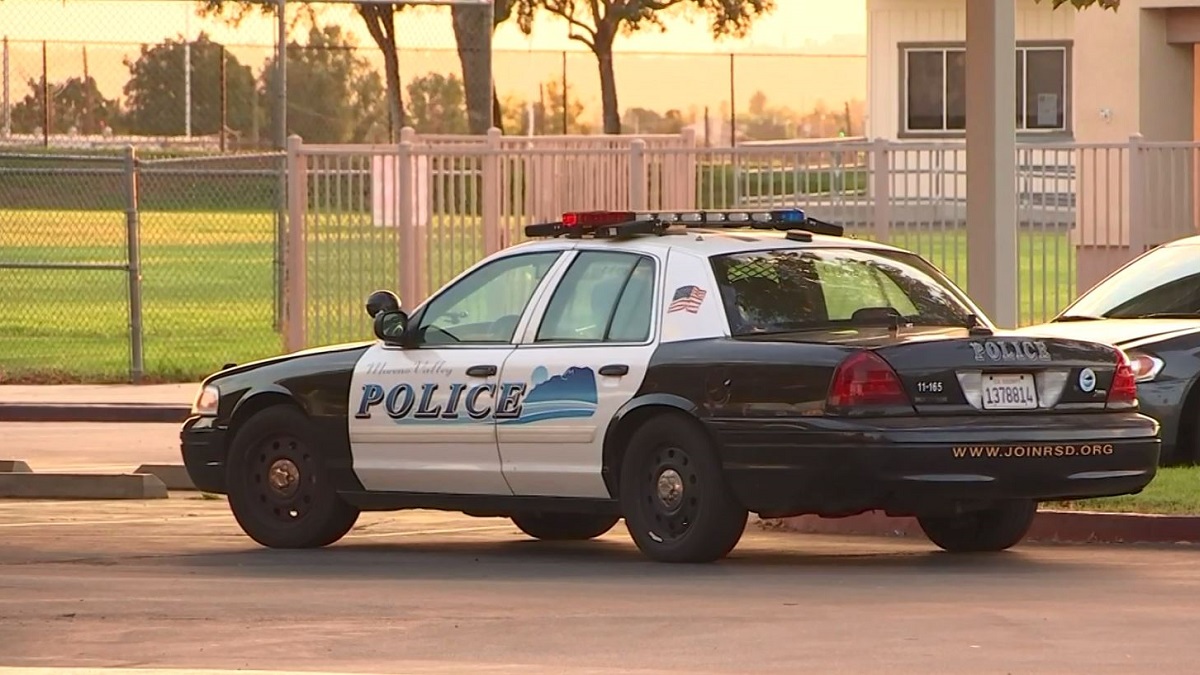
[[645, 121], [325, 80], [380, 19], [470, 24], [599, 22], [437, 104], [74, 103], [552, 114], [155, 97]]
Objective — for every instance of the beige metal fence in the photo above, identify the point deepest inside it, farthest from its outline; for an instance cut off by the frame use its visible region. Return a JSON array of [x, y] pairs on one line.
[[414, 215]]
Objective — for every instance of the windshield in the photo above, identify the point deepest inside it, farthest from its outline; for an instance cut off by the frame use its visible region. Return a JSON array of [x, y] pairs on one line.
[[1164, 281], [788, 290]]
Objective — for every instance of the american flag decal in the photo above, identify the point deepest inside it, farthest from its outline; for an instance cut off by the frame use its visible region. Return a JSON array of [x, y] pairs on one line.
[[687, 299]]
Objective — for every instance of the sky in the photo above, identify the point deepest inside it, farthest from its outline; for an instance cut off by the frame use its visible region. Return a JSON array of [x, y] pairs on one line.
[[804, 51]]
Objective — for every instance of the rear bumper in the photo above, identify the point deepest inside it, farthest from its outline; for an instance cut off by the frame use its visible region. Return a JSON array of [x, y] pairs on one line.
[[906, 467], [202, 446]]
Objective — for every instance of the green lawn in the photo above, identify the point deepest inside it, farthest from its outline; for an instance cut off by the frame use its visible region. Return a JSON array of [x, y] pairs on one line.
[[1174, 490], [208, 286]]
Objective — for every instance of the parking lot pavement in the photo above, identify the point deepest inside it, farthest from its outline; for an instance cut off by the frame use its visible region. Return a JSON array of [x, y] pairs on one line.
[[93, 447], [174, 584]]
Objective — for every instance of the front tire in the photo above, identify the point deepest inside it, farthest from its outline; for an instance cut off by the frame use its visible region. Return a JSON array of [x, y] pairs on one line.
[[677, 504], [279, 489], [995, 529], [564, 526]]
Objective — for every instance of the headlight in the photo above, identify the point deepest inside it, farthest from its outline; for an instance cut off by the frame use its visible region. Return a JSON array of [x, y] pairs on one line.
[[206, 400], [1145, 367]]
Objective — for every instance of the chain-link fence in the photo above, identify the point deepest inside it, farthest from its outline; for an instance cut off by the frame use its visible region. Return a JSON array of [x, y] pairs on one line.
[[138, 268], [206, 84]]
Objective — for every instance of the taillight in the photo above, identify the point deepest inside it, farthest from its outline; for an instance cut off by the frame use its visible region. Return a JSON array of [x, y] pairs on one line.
[[865, 380], [1122, 393]]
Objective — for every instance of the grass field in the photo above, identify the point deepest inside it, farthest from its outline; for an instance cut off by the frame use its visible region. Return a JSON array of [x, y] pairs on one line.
[[1174, 491], [208, 286]]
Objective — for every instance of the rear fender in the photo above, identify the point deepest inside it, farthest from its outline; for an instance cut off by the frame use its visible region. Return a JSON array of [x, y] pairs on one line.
[[627, 419]]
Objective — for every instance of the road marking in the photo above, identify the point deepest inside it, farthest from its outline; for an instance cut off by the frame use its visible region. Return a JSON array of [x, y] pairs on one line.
[[422, 667], [412, 533], [163, 519]]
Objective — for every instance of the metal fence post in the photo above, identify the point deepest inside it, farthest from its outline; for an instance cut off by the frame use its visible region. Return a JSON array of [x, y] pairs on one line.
[[637, 175], [490, 207], [881, 184], [7, 108], [1137, 200], [295, 265], [133, 246]]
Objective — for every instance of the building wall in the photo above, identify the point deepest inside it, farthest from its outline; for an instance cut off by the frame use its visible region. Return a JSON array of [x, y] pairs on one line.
[[893, 22]]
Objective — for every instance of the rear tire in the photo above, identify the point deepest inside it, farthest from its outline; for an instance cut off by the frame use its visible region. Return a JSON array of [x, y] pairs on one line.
[[564, 526], [677, 504], [994, 529], [279, 490]]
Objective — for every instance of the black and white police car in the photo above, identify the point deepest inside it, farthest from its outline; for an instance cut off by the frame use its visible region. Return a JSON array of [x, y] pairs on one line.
[[679, 370]]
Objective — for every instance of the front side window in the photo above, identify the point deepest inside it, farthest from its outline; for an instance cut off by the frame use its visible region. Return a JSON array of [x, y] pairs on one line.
[[603, 297], [790, 290], [1164, 281], [486, 305]]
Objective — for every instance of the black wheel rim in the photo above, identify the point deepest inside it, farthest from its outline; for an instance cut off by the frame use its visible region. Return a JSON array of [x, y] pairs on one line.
[[283, 479], [671, 493]]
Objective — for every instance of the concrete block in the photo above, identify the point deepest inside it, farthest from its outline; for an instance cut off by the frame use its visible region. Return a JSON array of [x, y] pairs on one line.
[[81, 486], [174, 476], [93, 412], [13, 466]]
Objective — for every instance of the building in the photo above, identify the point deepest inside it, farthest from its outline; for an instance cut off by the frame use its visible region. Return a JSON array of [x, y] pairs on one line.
[[1105, 113]]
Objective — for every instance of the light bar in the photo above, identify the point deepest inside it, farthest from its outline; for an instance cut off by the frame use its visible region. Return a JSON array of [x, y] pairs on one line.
[[614, 223]]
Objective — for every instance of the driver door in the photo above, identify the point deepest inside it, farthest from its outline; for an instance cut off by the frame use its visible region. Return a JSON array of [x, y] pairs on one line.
[[423, 414]]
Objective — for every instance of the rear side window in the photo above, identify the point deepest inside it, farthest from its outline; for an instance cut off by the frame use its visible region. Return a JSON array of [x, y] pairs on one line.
[[786, 290]]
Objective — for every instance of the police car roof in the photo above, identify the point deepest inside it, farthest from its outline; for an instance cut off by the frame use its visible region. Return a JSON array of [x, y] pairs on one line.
[[707, 242]]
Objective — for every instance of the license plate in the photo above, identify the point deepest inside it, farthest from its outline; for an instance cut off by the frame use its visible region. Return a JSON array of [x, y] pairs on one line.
[[1009, 392]]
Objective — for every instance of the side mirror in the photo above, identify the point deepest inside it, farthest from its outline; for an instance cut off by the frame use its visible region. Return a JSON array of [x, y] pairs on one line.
[[390, 326], [382, 301]]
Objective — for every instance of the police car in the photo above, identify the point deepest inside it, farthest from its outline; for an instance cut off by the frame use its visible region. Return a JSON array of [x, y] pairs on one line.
[[680, 371]]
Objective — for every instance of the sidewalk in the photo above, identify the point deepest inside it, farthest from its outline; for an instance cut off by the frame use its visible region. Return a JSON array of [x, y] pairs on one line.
[[96, 402]]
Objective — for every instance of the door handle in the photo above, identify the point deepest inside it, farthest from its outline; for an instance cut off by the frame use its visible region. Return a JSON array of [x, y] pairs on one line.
[[615, 370], [481, 371]]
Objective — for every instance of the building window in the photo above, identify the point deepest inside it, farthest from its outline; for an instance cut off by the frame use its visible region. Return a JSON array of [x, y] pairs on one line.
[[934, 89]]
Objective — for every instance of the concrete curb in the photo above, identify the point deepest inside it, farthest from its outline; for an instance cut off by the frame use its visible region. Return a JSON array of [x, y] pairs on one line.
[[14, 466], [93, 412], [1082, 527], [81, 486], [174, 476]]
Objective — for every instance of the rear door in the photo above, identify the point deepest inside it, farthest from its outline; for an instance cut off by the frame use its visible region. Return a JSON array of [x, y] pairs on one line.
[[581, 359]]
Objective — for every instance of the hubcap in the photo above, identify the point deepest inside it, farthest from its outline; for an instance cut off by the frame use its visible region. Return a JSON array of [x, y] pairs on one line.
[[672, 493], [284, 477], [670, 489]]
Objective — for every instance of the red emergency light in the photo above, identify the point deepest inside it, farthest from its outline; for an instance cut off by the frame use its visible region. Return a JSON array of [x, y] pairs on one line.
[[597, 218]]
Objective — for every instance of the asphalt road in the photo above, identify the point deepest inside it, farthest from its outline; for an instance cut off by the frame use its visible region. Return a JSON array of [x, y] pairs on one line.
[[173, 583]]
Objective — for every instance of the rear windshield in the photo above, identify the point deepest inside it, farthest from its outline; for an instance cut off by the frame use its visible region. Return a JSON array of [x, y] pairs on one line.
[[787, 290]]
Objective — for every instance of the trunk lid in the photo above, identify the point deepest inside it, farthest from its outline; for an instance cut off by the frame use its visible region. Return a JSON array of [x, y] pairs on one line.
[[1002, 373], [949, 370]]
